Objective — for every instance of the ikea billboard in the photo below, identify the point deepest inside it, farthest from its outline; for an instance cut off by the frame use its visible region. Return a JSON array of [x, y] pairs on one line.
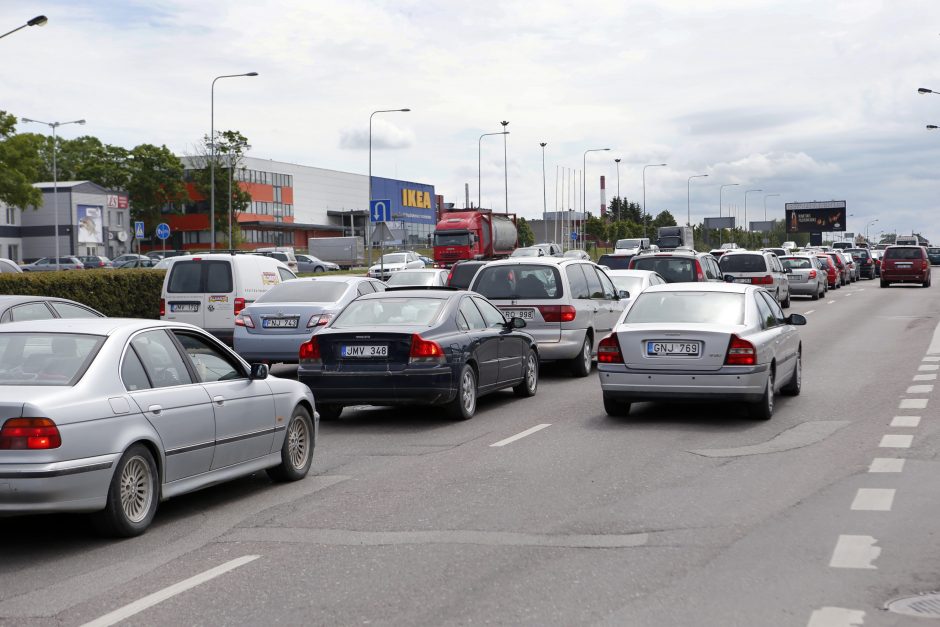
[[411, 202]]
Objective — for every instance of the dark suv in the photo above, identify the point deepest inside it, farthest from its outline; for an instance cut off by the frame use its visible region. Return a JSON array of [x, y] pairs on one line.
[[862, 257], [933, 254], [462, 273], [679, 266], [615, 262], [905, 264]]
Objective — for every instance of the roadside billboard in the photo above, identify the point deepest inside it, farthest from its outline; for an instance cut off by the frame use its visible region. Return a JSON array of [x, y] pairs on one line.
[[90, 224], [719, 223], [762, 226], [815, 217]]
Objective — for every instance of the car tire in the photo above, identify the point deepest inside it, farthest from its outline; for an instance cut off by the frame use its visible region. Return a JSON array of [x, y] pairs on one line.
[[328, 411], [764, 408], [318, 269], [616, 408], [795, 384], [786, 304], [530, 376], [297, 449], [133, 495], [884, 283], [816, 295], [464, 404], [581, 365]]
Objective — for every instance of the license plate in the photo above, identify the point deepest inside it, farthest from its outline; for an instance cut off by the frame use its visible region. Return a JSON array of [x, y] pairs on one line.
[[184, 307], [660, 349], [279, 323], [742, 279], [525, 314], [365, 350], [903, 265], [797, 278]]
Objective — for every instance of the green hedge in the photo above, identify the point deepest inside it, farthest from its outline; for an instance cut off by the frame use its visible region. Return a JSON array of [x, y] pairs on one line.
[[115, 293]]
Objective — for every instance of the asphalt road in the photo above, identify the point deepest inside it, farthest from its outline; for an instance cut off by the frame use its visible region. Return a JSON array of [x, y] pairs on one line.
[[677, 515]]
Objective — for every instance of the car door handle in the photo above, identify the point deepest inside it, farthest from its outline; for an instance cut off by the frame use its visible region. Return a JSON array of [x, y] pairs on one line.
[[218, 400], [156, 410]]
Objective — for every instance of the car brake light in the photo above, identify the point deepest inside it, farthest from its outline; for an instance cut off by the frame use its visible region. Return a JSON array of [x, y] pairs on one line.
[[762, 280], [450, 276], [608, 351], [29, 433], [100, 264], [244, 321], [740, 353], [318, 320], [698, 270], [812, 274], [557, 313], [239, 305], [310, 352], [425, 351]]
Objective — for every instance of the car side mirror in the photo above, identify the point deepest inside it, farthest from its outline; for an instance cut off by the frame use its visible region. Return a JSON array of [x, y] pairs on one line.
[[623, 294], [729, 278], [258, 372], [788, 270], [517, 323], [796, 319]]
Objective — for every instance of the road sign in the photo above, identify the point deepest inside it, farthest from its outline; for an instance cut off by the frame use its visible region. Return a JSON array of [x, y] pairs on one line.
[[380, 210], [574, 235], [139, 230], [163, 230], [381, 233]]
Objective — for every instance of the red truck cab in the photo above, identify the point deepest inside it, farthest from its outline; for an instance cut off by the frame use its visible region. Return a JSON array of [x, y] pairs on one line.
[[474, 234]]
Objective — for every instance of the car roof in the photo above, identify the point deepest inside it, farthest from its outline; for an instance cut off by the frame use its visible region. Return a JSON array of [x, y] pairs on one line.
[[419, 270], [440, 293], [705, 286], [546, 261], [639, 273], [330, 279], [13, 299], [91, 326]]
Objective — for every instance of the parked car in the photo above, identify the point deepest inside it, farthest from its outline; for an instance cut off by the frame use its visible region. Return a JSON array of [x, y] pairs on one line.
[[933, 254], [863, 259], [905, 264], [629, 283], [679, 266], [284, 254], [462, 273], [395, 262], [528, 251], [806, 276], [758, 268], [411, 347], [833, 274], [22, 308], [844, 274], [850, 264], [182, 412], [208, 291], [48, 264], [568, 304], [92, 262], [142, 262], [309, 263], [702, 341], [429, 277], [576, 253], [272, 328], [615, 262], [9, 266], [127, 257]]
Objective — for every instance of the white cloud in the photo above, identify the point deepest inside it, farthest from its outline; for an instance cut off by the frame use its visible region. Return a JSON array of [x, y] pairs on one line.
[[385, 136]]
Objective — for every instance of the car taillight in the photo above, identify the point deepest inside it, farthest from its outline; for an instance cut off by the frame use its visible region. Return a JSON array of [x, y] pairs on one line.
[[450, 276], [318, 320], [310, 352], [557, 313], [100, 264], [740, 353], [762, 280], [239, 305], [608, 351], [698, 271], [812, 274], [425, 351], [29, 433], [162, 307], [244, 321]]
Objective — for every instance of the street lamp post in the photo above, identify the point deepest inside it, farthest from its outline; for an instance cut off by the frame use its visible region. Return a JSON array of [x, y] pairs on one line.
[[689, 197], [212, 159], [766, 196], [750, 191], [505, 123], [544, 197], [619, 199], [866, 229], [39, 20], [584, 178], [480, 165], [721, 189], [652, 165], [369, 208], [55, 179]]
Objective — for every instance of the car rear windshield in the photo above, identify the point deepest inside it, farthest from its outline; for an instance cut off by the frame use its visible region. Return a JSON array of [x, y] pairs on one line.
[[304, 292], [858, 253], [384, 312], [672, 269], [742, 263], [534, 282], [462, 274], [412, 278], [46, 358], [687, 307], [933, 251], [616, 262], [903, 253], [797, 263], [631, 284], [191, 276]]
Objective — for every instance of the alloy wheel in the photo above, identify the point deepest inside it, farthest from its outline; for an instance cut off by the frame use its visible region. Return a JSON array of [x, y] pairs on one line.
[[298, 443], [136, 489]]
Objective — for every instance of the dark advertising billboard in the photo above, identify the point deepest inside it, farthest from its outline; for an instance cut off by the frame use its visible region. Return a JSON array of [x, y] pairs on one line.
[[815, 217]]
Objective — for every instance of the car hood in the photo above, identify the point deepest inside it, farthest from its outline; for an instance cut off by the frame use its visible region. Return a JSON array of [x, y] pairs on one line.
[[388, 266]]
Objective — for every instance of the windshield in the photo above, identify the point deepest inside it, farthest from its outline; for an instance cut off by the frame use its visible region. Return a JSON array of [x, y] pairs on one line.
[[672, 269], [46, 358], [796, 263], [632, 284], [742, 263], [412, 278], [687, 307], [615, 262], [518, 282], [443, 238], [384, 312], [304, 292], [395, 258]]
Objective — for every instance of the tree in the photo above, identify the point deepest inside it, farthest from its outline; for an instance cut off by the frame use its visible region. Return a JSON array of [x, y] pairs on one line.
[[623, 209], [19, 166], [526, 236], [596, 228], [155, 180], [230, 146], [663, 218]]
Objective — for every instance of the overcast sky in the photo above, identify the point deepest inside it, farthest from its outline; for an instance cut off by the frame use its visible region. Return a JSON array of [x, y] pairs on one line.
[[807, 99]]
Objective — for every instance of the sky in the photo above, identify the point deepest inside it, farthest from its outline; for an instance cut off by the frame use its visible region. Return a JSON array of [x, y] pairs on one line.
[[806, 99]]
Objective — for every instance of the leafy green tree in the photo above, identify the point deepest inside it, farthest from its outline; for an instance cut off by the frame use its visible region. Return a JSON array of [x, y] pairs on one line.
[[19, 166], [155, 181], [596, 228], [526, 236], [230, 147], [663, 218]]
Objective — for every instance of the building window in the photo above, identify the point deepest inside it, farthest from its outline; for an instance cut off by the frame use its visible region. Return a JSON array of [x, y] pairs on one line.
[[14, 252], [11, 215], [120, 218]]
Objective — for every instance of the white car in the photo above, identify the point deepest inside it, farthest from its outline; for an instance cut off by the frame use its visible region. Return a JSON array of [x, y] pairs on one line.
[[395, 262], [758, 268], [630, 283]]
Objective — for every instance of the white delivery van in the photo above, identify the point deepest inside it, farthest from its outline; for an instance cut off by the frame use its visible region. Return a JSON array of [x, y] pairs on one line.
[[209, 290]]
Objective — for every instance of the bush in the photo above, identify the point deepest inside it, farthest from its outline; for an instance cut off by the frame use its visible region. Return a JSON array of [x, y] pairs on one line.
[[115, 293]]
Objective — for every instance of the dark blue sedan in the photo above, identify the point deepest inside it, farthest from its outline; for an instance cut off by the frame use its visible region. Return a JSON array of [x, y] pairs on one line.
[[418, 347]]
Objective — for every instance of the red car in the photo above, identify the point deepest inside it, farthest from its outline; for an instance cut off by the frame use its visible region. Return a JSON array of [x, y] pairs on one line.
[[905, 264], [844, 273], [832, 272]]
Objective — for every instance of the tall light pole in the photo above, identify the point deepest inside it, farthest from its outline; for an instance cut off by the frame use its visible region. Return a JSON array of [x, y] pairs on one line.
[[584, 178], [544, 197], [750, 191], [369, 207], [652, 165], [689, 196], [721, 189], [480, 165], [924, 90], [619, 199], [39, 20], [766, 196], [55, 179], [866, 229], [505, 123], [212, 148]]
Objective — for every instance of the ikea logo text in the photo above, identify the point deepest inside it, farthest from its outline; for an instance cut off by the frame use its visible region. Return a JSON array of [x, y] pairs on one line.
[[415, 198]]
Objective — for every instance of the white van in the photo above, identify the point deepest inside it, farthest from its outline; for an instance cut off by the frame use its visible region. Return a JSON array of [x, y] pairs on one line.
[[284, 254], [209, 290]]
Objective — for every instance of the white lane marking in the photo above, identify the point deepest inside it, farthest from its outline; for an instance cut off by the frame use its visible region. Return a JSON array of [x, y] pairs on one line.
[[160, 596], [855, 552], [830, 302], [850, 293], [873, 500], [809, 312], [896, 441], [905, 421], [925, 377], [913, 403], [920, 389], [934, 348], [519, 436], [928, 367], [934, 358], [886, 464], [836, 617]]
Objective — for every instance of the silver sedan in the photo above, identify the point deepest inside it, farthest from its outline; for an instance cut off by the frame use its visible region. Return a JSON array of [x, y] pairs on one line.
[[702, 341], [111, 416]]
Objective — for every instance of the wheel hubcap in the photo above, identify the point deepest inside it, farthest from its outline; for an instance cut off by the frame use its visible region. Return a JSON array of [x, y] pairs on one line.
[[587, 354], [531, 373], [799, 370], [298, 441], [770, 393], [469, 397], [136, 489]]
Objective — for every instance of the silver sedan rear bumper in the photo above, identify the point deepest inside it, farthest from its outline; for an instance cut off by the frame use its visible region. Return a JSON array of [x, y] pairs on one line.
[[79, 485], [729, 383]]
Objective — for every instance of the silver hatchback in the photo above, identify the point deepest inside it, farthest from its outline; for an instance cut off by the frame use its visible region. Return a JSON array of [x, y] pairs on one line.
[[807, 276], [568, 304]]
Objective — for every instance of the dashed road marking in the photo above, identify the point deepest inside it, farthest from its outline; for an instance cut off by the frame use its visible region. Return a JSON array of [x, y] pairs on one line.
[[896, 441], [873, 500], [928, 367], [913, 403], [836, 617], [809, 312], [925, 377], [886, 464], [905, 421], [919, 389], [931, 358], [855, 552], [830, 302], [521, 435]]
